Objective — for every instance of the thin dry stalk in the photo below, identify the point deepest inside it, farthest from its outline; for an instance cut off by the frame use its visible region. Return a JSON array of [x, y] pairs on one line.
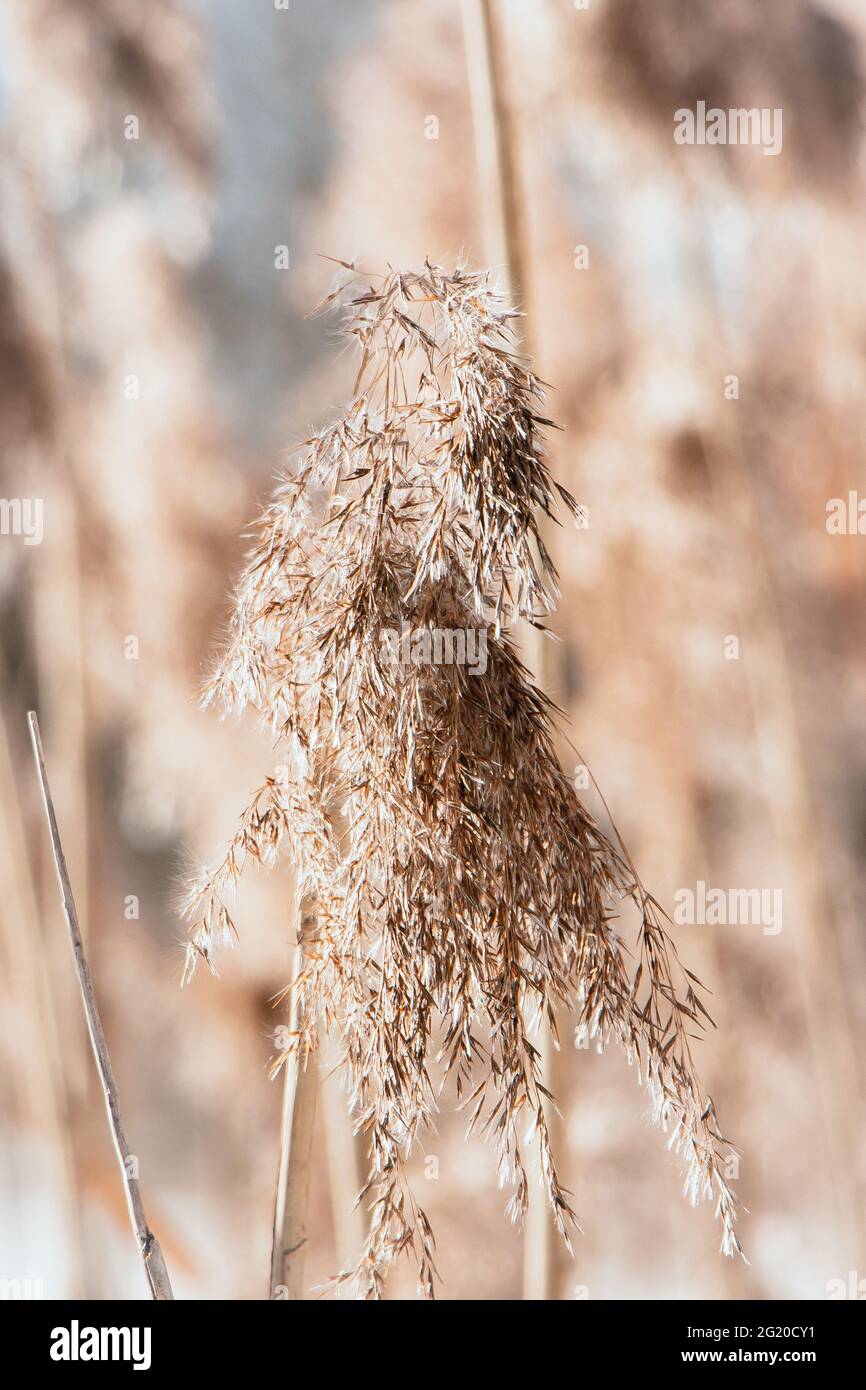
[[344, 1149], [503, 224], [497, 170], [346, 1161], [41, 1073], [462, 890], [148, 1245], [297, 1125]]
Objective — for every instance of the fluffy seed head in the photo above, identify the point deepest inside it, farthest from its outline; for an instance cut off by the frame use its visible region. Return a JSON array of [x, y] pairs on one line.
[[461, 888]]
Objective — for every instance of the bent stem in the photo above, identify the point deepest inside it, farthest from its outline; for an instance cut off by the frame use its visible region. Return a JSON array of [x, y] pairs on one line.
[[148, 1245]]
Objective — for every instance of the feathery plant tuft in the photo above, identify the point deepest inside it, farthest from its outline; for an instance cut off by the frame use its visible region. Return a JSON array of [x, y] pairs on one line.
[[461, 888]]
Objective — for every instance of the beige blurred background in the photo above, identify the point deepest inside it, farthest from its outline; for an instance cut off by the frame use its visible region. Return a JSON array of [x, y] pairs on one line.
[[171, 172]]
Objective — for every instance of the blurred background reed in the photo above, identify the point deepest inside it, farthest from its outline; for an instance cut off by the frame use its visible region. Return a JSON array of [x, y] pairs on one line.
[[171, 173]]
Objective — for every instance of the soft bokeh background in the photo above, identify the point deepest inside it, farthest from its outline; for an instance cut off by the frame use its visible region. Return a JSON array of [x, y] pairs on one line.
[[154, 364]]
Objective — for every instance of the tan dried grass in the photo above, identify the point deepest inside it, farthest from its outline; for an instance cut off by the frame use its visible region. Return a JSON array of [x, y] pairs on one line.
[[459, 881]]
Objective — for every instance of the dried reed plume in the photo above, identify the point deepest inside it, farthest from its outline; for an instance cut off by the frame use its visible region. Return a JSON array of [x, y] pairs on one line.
[[462, 890]]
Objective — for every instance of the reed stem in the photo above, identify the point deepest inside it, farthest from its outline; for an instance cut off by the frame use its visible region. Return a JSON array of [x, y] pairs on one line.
[[300, 1093], [148, 1245], [503, 242]]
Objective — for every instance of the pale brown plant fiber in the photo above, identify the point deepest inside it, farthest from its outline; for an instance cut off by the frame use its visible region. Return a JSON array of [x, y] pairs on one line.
[[461, 887]]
